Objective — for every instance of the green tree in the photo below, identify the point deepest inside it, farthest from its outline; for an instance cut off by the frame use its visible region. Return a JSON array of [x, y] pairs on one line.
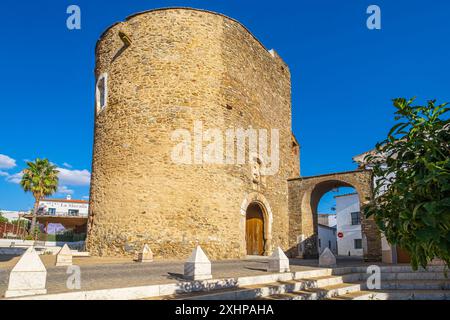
[[2, 219], [412, 189], [21, 223], [41, 179]]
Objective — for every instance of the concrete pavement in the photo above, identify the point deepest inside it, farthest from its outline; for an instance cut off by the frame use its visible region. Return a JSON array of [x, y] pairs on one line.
[[98, 273]]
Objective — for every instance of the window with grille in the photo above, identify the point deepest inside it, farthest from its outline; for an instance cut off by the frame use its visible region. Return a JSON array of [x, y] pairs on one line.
[[73, 213], [356, 220], [358, 243]]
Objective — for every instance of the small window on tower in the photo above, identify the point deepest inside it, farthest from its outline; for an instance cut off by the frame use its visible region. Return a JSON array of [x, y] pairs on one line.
[[101, 92], [295, 146]]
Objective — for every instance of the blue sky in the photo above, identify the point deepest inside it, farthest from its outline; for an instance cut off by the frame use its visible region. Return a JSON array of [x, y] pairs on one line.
[[343, 75]]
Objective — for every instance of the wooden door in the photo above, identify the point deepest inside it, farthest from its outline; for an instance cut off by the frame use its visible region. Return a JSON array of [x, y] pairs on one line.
[[254, 231]]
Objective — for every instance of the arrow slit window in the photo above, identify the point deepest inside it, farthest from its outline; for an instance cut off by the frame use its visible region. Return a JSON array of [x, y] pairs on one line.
[[101, 93]]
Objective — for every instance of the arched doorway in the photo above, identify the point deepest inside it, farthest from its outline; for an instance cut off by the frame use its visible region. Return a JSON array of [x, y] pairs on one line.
[[339, 222], [310, 248], [254, 230], [304, 197]]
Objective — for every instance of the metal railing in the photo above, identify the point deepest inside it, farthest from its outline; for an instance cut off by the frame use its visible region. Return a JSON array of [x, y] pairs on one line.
[[61, 214]]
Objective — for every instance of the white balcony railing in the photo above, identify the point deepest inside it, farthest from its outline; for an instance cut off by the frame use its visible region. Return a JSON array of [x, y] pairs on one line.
[[61, 214]]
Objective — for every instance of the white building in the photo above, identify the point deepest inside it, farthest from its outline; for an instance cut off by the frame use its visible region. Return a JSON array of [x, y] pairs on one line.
[[327, 238], [13, 215], [390, 253], [64, 207], [71, 214], [327, 219], [349, 235]]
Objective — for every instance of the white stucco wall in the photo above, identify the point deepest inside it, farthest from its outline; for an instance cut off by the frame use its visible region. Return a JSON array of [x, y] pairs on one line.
[[345, 205], [327, 238], [327, 219], [12, 215], [332, 220], [62, 207]]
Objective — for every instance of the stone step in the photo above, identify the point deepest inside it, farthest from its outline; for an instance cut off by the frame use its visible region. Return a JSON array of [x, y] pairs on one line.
[[333, 290], [265, 290], [244, 293], [220, 294], [356, 295], [420, 276], [389, 269], [396, 295], [292, 296], [412, 284], [367, 295], [326, 292], [318, 282], [317, 294], [411, 295], [354, 277]]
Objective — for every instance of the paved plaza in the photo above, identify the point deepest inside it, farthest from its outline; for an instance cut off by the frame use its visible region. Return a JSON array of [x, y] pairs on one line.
[[107, 273]]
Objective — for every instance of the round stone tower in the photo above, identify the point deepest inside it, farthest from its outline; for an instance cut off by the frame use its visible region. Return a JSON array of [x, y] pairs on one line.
[[173, 85]]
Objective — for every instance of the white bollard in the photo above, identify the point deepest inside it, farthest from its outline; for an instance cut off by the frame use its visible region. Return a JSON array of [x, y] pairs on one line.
[[64, 257], [198, 266], [146, 255], [327, 259], [28, 277], [278, 262]]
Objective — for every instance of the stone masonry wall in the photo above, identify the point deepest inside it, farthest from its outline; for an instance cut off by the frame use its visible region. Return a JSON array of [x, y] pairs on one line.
[[184, 65]]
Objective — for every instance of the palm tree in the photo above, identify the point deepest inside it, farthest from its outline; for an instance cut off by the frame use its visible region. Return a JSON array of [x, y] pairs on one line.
[[41, 179]]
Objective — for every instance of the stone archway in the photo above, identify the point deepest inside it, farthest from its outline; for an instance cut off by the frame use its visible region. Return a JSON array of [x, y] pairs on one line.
[[261, 201], [304, 196]]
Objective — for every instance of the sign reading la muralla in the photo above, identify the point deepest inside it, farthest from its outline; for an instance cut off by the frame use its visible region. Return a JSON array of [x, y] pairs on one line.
[[227, 147], [59, 204]]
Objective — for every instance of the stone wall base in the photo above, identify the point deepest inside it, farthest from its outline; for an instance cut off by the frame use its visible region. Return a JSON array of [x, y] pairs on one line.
[[165, 250]]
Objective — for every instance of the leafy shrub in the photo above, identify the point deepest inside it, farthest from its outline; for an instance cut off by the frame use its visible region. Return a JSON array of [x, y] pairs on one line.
[[412, 173]]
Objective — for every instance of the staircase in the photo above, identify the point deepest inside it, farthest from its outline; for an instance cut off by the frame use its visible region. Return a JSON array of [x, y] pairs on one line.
[[397, 283]]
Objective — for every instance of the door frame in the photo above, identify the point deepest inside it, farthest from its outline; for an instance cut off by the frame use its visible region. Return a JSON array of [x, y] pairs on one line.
[[260, 217], [259, 199]]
